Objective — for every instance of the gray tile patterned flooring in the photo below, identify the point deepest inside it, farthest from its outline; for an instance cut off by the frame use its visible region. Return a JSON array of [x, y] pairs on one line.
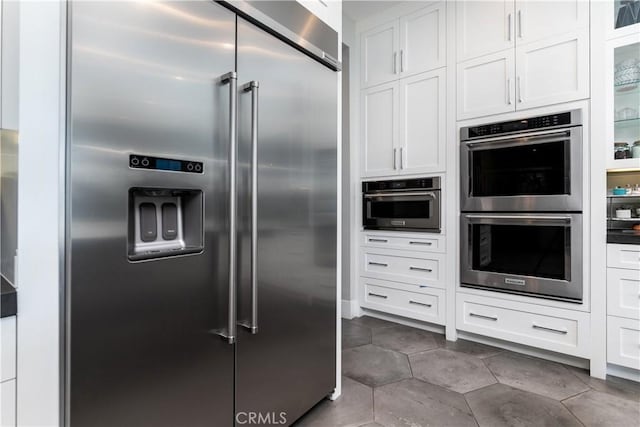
[[397, 376]]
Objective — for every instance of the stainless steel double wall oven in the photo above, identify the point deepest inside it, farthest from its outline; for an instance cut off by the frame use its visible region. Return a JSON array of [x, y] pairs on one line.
[[521, 201]]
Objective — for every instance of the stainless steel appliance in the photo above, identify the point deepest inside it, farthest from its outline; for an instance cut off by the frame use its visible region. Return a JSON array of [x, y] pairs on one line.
[[521, 222], [531, 253], [533, 164], [201, 279], [408, 204]]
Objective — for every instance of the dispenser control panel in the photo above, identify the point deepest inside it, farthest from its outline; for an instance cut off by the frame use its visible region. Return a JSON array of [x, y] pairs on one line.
[[139, 161]]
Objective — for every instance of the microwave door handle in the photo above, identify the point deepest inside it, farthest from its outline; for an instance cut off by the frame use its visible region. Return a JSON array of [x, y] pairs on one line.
[[430, 194], [495, 219]]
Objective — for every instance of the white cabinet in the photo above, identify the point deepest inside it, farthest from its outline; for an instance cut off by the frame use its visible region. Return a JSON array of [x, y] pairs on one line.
[[7, 348], [423, 40], [540, 19], [423, 122], [412, 44], [553, 70], [8, 404], [623, 256], [623, 293], [422, 242], [484, 27], [517, 55], [379, 129], [486, 85], [378, 54], [623, 342], [425, 269]]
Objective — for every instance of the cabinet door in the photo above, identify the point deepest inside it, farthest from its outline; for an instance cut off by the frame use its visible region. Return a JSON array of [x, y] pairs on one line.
[[423, 40], [486, 85], [553, 70], [379, 54], [380, 129], [536, 20], [423, 122], [484, 27]]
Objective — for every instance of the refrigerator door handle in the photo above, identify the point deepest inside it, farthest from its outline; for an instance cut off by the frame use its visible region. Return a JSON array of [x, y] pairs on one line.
[[229, 334], [252, 324]]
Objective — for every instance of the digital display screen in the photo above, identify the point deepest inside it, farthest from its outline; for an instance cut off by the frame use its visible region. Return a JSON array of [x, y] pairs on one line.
[[168, 165]]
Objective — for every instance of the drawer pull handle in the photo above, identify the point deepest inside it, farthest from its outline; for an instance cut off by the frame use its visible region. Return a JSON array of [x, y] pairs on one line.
[[420, 303], [428, 270], [420, 243], [482, 316], [381, 264], [544, 328], [371, 294], [379, 240]]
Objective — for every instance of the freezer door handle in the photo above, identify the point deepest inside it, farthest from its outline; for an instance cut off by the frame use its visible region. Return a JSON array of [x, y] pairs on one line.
[[252, 324], [229, 334]]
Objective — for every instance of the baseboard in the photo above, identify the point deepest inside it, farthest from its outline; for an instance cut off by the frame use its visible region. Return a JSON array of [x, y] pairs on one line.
[[350, 309], [623, 372], [439, 329]]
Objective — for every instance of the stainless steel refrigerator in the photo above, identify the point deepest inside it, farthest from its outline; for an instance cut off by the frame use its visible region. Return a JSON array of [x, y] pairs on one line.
[[201, 218]]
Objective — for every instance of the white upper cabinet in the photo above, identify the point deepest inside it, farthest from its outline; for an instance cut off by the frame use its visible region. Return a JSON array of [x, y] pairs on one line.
[[379, 129], [379, 54], [423, 122], [484, 27], [423, 40], [486, 85], [537, 20], [553, 70]]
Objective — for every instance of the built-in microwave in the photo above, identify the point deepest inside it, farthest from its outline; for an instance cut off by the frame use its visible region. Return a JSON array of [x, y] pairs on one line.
[[407, 204], [532, 164], [538, 254]]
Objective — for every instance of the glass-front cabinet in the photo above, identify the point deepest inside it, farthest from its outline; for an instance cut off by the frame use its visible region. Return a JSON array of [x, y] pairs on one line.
[[623, 85], [624, 17]]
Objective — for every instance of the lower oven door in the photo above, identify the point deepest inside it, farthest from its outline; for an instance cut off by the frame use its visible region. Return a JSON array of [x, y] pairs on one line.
[[538, 254], [419, 210]]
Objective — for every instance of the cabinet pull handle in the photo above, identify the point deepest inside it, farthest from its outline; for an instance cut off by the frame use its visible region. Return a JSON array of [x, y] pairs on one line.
[[419, 303], [482, 316], [395, 150], [428, 270], [371, 294], [378, 240], [519, 90], [520, 23], [395, 62], [401, 60], [401, 158], [381, 264], [544, 328], [412, 242], [509, 91], [509, 24]]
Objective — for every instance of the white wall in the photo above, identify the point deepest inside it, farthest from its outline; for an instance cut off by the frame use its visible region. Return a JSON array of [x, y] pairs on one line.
[[41, 190]]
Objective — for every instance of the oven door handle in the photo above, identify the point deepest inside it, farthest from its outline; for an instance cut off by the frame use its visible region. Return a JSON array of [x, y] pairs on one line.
[[400, 194], [533, 218], [519, 140]]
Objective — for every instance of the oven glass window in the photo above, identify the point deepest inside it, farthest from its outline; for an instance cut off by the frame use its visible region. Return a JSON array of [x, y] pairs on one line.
[[537, 251], [538, 169], [398, 209]]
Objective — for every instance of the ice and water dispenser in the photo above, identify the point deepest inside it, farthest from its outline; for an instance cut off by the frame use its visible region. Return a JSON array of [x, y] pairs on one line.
[[164, 221]]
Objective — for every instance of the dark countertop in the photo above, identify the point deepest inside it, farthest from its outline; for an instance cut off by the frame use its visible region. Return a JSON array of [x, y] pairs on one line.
[[625, 237], [8, 299]]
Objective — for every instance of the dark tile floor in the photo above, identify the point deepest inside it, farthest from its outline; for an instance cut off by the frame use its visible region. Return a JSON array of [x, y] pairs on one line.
[[395, 375]]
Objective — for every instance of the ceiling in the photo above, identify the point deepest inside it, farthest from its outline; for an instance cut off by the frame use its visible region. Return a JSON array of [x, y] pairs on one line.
[[361, 9]]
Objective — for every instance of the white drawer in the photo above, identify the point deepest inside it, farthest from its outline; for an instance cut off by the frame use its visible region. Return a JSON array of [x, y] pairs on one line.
[[424, 242], [563, 331], [623, 342], [623, 293], [426, 305], [8, 404], [623, 256], [7, 348], [403, 266]]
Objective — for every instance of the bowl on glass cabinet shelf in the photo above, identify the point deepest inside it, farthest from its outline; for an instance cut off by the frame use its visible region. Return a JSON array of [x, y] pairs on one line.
[[627, 72]]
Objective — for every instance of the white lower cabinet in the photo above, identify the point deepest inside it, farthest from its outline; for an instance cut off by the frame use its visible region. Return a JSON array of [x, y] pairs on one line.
[[8, 404], [7, 348], [423, 269], [410, 242], [623, 342], [623, 256], [623, 293], [553, 329], [402, 299]]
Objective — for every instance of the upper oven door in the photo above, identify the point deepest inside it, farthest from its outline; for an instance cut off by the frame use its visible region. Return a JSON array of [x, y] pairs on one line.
[[398, 210], [536, 171], [524, 253]]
